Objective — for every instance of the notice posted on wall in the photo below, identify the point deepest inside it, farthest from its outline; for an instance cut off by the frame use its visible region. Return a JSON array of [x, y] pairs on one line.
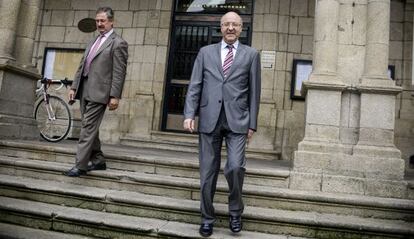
[[268, 59]]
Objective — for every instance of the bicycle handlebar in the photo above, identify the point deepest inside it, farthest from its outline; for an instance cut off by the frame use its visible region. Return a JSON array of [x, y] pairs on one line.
[[65, 81]]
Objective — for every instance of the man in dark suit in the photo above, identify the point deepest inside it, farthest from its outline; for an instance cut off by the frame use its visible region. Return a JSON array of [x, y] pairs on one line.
[[98, 84], [225, 89]]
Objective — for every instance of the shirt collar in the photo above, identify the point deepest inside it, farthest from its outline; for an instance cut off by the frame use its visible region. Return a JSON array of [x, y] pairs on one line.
[[107, 34], [224, 45]]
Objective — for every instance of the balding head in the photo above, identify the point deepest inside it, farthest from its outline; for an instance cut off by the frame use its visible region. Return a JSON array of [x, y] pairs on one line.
[[231, 27]]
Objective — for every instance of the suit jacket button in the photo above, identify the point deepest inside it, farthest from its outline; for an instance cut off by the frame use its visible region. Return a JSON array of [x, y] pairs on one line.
[[219, 101]]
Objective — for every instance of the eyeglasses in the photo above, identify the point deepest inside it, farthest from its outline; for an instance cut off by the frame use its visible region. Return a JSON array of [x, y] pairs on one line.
[[233, 24]]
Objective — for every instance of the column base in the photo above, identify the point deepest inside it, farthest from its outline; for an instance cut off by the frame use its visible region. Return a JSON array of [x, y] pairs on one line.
[[17, 95], [345, 184]]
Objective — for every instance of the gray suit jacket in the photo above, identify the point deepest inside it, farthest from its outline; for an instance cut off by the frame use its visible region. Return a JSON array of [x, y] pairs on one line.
[[239, 92], [107, 70]]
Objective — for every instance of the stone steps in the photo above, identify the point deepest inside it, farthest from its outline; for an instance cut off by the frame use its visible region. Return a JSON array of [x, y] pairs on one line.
[[102, 224], [258, 172], [82, 200], [188, 188], [10, 231], [187, 143], [164, 185]]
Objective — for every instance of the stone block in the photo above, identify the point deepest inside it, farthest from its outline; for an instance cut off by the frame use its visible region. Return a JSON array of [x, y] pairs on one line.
[[299, 8], [270, 22], [257, 40], [258, 22], [62, 18], [305, 181], [383, 168], [52, 34], [72, 34], [149, 53], [376, 152], [407, 50], [280, 62], [396, 50], [84, 5], [397, 11], [283, 24], [57, 4], [293, 25], [310, 162], [151, 36], [274, 7], [359, 28], [345, 24], [307, 44], [350, 62], [267, 79], [124, 18], [153, 18], [147, 74], [161, 55], [163, 37], [311, 8], [408, 30], [129, 35], [167, 5], [343, 184], [263, 138], [284, 7], [139, 38], [397, 33], [305, 26], [328, 102], [140, 19], [386, 188], [377, 111], [295, 43], [259, 6], [283, 42], [165, 19]]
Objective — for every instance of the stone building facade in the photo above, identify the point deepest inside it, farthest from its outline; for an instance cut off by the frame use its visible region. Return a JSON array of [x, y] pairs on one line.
[[355, 123]]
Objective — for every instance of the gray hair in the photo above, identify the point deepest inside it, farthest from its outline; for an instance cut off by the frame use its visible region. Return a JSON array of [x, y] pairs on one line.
[[108, 11]]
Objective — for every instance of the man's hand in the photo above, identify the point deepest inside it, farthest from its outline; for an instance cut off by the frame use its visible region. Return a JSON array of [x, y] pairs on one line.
[[71, 94], [249, 135], [113, 103], [189, 125]]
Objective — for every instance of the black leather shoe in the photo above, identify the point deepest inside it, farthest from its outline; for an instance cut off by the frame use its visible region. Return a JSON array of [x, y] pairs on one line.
[[235, 224], [206, 229], [100, 166], [75, 172]]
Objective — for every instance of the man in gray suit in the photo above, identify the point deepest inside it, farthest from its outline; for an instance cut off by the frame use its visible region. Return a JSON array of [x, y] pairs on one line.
[[225, 89], [98, 84]]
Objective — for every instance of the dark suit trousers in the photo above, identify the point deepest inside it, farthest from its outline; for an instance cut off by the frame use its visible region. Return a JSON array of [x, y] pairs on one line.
[[89, 145], [210, 160]]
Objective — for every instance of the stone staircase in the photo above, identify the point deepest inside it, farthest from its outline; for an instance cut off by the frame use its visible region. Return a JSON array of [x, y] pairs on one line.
[[147, 193]]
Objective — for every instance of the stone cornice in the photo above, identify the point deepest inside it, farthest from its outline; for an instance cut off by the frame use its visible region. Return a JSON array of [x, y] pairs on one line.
[[388, 90], [29, 71]]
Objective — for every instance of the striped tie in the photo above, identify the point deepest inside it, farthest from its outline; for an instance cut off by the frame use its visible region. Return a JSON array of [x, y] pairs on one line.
[[228, 60], [91, 55]]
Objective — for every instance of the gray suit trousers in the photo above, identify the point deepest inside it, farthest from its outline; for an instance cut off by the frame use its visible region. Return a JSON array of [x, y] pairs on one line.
[[210, 160], [89, 145]]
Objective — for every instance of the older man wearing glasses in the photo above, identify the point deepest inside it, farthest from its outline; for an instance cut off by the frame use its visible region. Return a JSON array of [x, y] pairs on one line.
[[225, 90]]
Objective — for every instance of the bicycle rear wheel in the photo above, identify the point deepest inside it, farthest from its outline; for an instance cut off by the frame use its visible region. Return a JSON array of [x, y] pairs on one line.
[[55, 124]]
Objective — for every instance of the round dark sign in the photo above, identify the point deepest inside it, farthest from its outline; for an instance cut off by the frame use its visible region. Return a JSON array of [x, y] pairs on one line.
[[87, 25]]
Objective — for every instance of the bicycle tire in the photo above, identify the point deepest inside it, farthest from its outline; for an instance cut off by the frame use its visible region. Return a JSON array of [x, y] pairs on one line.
[[53, 130]]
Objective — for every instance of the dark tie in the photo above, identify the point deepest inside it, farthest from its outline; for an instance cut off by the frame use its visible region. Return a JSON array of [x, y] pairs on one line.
[[228, 60], [91, 55]]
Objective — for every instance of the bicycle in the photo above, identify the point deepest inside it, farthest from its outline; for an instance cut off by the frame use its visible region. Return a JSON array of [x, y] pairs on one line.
[[52, 113]]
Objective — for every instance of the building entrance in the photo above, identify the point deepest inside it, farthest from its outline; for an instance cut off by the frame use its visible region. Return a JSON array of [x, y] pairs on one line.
[[190, 32]]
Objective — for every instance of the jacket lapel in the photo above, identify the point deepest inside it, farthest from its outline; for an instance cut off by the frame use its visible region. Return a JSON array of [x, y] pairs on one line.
[[237, 59], [217, 59], [106, 43]]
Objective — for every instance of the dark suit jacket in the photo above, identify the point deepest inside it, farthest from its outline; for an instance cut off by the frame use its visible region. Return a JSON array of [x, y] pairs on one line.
[[239, 92], [107, 70]]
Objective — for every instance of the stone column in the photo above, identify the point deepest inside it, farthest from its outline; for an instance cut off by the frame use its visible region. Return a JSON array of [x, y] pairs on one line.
[[384, 168], [17, 83], [323, 103], [9, 11], [26, 31]]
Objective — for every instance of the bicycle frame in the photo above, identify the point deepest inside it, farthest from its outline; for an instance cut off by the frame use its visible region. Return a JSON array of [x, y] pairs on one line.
[[42, 91]]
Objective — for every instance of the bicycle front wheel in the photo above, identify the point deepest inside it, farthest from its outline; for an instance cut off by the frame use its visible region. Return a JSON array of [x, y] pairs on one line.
[[54, 119]]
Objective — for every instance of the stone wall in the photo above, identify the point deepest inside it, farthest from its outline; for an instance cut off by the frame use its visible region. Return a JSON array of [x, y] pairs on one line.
[[283, 26], [401, 45], [145, 26]]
